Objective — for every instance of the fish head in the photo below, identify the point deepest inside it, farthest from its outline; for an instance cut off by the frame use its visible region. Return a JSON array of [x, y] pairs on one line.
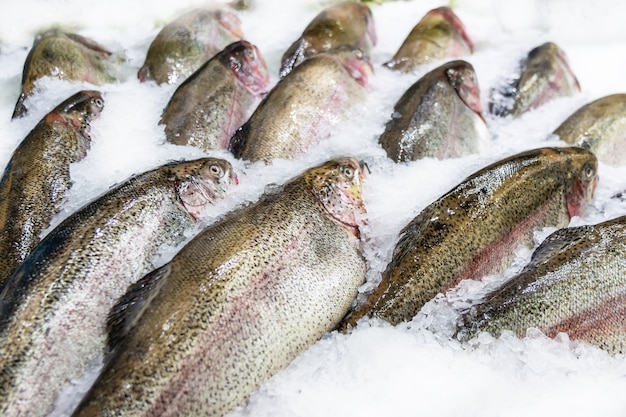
[[248, 65], [584, 179], [355, 62], [79, 110], [229, 22], [446, 17], [462, 78], [201, 182], [337, 187], [346, 23]]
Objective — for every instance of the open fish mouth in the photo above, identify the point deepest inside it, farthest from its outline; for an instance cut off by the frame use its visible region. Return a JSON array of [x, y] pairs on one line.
[[196, 193]]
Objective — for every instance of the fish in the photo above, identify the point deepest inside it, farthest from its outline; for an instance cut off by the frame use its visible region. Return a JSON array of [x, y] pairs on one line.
[[53, 310], [473, 230], [440, 116], [207, 108], [545, 74], [182, 46], [575, 283], [347, 23], [303, 107], [239, 302], [36, 179], [66, 56], [599, 126], [440, 34]]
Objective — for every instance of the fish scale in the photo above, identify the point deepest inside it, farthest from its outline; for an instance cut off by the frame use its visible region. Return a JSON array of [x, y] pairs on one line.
[[473, 229], [53, 309], [236, 305]]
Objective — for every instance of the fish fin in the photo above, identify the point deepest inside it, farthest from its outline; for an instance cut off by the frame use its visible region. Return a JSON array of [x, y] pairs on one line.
[[20, 108], [238, 140], [131, 306], [292, 57]]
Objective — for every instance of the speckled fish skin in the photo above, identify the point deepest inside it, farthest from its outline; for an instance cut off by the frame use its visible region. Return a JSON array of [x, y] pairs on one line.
[[440, 116], [183, 45], [439, 35], [545, 75], [37, 177], [575, 283], [344, 24], [66, 56], [206, 109], [473, 229], [53, 310], [303, 107], [599, 126], [239, 302]]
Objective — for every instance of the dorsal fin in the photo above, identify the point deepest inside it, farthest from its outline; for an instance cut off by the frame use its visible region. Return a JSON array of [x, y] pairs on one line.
[[131, 306]]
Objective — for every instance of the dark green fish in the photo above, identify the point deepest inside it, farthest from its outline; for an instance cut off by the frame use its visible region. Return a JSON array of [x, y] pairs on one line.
[[238, 303], [545, 75], [599, 126], [439, 35], [66, 56], [345, 24], [37, 177], [182, 46], [53, 310], [473, 229], [440, 116], [575, 283], [206, 109]]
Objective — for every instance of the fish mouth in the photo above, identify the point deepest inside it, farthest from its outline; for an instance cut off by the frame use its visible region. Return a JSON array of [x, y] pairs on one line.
[[196, 193]]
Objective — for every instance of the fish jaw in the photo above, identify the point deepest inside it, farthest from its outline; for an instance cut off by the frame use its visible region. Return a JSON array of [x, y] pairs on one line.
[[582, 190], [248, 66], [462, 77], [356, 63], [337, 189]]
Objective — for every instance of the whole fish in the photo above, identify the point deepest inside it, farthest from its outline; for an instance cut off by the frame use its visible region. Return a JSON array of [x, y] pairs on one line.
[[439, 35], [599, 126], [183, 45], [66, 56], [213, 102], [303, 107], [53, 310], [37, 177], [545, 75], [575, 283], [345, 24], [439, 116], [238, 303], [472, 230]]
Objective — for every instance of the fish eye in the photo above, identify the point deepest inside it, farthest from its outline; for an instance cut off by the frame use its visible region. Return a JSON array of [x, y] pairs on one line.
[[347, 171], [216, 170], [98, 102], [588, 171], [249, 53]]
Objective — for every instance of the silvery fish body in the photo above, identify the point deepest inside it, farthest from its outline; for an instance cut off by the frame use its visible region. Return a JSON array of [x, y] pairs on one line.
[[575, 283], [439, 116], [238, 303], [348, 23], [37, 178], [473, 230], [545, 75], [183, 45], [208, 107], [303, 107], [440, 34], [53, 310], [599, 126]]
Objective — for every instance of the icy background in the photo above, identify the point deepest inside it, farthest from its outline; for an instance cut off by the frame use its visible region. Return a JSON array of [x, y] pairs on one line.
[[413, 369]]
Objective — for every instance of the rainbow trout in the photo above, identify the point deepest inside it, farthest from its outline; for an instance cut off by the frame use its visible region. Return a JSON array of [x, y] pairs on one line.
[[472, 230], [238, 303], [303, 107], [183, 45], [37, 178], [440, 116], [53, 310], [208, 107], [439, 35], [599, 126], [545, 75], [345, 24], [66, 56], [575, 283]]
